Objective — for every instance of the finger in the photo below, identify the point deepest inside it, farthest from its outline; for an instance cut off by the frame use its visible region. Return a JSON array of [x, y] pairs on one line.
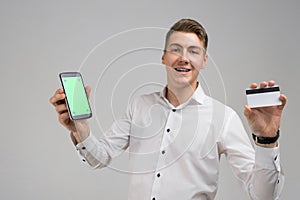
[[253, 85], [59, 91], [263, 84], [57, 98], [247, 111], [283, 100], [64, 118], [61, 108], [271, 83], [53, 99]]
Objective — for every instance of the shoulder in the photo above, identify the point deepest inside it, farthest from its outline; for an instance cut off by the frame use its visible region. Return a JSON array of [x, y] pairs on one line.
[[140, 104], [145, 99], [219, 108]]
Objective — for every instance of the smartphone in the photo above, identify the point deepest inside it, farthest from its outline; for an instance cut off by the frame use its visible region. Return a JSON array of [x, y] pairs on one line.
[[76, 97]]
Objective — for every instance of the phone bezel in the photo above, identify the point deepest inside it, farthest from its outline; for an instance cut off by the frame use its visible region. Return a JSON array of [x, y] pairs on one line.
[[74, 74]]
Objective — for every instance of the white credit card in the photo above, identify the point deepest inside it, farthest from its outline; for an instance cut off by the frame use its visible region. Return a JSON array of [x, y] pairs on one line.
[[262, 97]]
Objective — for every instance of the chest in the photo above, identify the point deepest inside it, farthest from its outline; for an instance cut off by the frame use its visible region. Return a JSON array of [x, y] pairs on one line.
[[194, 131]]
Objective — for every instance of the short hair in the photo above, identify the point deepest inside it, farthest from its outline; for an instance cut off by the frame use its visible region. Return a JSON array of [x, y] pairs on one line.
[[189, 26]]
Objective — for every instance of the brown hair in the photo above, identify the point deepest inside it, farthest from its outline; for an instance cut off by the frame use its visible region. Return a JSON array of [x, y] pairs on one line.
[[189, 26]]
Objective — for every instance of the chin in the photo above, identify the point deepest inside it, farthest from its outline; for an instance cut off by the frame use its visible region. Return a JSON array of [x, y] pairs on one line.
[[182, 82]]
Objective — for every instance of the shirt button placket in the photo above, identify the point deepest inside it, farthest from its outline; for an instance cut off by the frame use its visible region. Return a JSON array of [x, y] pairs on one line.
[[163, 151]]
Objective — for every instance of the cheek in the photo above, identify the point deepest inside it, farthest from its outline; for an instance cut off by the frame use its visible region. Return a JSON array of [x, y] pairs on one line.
[[170, 59], [197, 63]]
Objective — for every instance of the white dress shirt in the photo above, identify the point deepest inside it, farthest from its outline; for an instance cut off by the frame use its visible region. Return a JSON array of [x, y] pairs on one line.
[[175, 152]]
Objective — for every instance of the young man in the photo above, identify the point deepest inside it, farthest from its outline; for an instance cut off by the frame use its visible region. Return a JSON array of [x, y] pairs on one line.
[[176, 137]]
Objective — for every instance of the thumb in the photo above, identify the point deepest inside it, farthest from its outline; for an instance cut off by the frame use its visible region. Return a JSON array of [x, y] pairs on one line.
[[88, 91], [247, 111]]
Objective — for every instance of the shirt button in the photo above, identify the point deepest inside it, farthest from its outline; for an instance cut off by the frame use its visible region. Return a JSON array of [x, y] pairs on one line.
[[158, 175], [163, 151], [174, 110], [83, 148], [168, 130], [83, 160], [153, 198]]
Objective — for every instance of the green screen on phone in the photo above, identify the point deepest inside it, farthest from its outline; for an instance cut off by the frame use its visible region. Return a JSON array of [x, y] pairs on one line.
[[76, 97]]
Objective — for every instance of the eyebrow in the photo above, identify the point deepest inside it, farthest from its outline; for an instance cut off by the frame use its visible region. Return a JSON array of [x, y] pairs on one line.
[[190, 47]]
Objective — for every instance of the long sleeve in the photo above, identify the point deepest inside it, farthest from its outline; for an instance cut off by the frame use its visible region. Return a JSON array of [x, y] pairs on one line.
[[99, 152], [258, 169], [268, 175]]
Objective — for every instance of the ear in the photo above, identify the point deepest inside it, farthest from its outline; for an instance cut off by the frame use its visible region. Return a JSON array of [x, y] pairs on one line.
[[163, 58], [205, 59]]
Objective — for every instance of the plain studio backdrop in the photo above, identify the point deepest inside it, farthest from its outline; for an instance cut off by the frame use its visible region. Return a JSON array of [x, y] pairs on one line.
[[117, 47]]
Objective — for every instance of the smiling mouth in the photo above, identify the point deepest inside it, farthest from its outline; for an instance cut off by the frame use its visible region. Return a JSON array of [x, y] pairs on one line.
[[182, 70]]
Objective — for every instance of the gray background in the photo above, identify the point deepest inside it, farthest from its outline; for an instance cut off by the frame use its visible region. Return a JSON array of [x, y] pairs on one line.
[[249, 41]]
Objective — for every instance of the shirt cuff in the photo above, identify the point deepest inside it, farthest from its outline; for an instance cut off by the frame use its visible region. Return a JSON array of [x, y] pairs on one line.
[[267, 158], [88, 152], [89, 142]]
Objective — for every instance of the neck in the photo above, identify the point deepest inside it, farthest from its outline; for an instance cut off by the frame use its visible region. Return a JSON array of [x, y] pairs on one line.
[[177, 96]]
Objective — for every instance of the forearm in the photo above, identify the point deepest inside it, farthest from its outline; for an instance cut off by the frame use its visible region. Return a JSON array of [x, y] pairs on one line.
[[98, 152], [80, 132]]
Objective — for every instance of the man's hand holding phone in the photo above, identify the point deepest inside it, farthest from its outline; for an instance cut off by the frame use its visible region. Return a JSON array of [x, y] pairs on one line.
[[79, 127]]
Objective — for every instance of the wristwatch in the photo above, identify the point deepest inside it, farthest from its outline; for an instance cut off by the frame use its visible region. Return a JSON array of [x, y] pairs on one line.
[[265, 140]]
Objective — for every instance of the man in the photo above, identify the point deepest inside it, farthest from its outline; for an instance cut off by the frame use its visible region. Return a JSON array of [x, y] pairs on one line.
[[176, 137]]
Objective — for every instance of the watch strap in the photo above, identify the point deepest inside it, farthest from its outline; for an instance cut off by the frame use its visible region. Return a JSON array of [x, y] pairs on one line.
[[265, 140]]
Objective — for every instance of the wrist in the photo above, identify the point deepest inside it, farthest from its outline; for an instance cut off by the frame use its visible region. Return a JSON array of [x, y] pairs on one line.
[[268, 142], [78, 138]]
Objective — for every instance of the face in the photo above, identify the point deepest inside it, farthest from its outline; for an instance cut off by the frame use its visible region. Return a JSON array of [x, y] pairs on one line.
[[184, 57]]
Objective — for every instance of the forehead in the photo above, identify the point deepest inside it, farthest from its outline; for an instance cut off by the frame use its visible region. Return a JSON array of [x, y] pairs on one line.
[[185, 39]]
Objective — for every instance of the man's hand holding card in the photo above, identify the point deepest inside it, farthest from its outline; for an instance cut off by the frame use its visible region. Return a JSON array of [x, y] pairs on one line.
[[264, 110]]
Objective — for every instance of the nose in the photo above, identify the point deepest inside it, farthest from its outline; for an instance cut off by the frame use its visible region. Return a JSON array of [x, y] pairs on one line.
[[183, 59]]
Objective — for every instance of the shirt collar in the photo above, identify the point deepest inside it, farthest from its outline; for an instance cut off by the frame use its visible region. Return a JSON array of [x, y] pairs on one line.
[[198, 96]]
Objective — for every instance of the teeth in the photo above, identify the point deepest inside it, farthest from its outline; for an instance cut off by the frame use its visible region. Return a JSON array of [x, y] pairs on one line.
[[182, 70]]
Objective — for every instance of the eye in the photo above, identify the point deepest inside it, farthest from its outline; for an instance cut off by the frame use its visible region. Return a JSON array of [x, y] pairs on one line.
[[175, 50], [195, 51]]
